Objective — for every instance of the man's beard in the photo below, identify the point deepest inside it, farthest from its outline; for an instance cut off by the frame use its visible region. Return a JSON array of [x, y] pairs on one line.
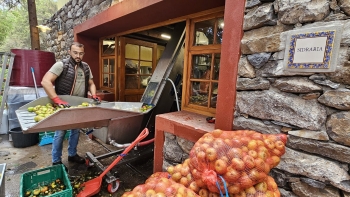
[[77, 60]]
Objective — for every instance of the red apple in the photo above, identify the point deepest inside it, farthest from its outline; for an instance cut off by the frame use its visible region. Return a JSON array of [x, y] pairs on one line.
[[184, 181], [204, 146], [176, 176], [212, 194], [193, 186], [150, 193], [276, 160], [253, 153], [208, 139], [241, 194], [244, 149], [263, 154], [196, 174], [185, 170], [259, 164], [170, 191], [235, 153], [200, 183], [201, 156], [160, 194], [228, 142], [252, 145], [220, 166], [211, 154], [244, 181], [140, 188], [254, 175], [250, 191], [233, 189], [280, 145], [257, 136], [276, 152], [216, 133], [171, 169], [189, 177], [161, 186], [203, 193], [261, 187], [231, 175], [178, 167], [248, 162], [269, 144], [237, 164], [269, 194]]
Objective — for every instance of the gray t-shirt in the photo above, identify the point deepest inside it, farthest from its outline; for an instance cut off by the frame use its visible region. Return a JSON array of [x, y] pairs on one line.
[[79, 86]]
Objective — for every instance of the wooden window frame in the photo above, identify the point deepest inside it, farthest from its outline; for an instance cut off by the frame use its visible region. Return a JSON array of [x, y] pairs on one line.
[[191, 50]]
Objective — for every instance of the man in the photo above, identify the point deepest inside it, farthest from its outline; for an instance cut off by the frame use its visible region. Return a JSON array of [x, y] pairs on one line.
[[73, 77]]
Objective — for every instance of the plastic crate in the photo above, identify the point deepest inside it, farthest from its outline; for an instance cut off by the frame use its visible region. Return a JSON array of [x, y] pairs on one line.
[[33, 179], [51, 134]]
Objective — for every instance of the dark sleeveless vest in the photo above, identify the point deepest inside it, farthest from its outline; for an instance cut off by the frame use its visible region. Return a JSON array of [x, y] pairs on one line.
[[64, 82]]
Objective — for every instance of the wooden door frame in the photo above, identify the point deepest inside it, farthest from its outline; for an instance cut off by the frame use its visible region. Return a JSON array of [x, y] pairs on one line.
[[122, 41]]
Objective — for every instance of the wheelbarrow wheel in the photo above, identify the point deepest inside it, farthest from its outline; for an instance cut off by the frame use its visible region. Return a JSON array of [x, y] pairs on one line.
[[113, 187]]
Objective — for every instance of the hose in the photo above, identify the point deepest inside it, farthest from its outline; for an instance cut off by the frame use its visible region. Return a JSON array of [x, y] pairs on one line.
[[177, 99]]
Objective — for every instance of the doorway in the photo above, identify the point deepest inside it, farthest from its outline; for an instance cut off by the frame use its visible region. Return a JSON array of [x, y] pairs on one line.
[[137, 62]]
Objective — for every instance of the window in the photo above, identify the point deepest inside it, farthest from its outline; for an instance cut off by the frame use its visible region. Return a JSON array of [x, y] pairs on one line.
[[202, 74], [108, 46], [108, 72], [138, 66]]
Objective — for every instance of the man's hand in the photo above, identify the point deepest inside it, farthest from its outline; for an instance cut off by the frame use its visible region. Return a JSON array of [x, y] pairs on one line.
[[60, 102], [96, 98]]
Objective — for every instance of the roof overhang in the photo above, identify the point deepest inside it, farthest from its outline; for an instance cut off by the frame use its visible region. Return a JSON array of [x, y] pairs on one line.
[[132, 14]]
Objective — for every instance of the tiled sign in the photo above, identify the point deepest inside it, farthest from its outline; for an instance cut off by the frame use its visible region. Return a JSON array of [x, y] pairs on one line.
[[312, 49]]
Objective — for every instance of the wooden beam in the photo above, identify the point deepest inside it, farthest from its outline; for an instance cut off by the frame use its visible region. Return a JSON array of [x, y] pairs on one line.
[[230, 55]]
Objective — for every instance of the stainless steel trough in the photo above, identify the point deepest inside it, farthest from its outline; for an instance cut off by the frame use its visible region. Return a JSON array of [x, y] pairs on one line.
[[72, 118]]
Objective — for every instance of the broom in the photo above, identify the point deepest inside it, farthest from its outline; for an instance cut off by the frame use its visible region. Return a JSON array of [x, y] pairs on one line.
[[46, 139]]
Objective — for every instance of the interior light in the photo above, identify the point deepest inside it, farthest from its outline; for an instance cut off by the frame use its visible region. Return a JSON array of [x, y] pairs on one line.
[[166, 36], [222, 24]]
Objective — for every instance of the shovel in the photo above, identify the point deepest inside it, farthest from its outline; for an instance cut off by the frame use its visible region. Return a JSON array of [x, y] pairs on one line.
[[93, 186]]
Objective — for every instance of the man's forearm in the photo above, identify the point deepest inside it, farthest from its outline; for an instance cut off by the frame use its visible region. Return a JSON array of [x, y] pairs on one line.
[[50, 91], [92, 89]]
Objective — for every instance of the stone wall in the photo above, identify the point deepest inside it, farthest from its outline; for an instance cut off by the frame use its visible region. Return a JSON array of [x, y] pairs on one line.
[[73, 13], [312, 108]]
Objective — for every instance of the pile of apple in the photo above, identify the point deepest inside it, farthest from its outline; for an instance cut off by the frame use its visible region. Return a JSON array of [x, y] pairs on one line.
[[43, 111], [240, 158], [159, 185]]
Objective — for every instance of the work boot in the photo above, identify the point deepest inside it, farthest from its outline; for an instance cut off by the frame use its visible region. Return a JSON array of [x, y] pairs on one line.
[[77, 159], [60, 162]]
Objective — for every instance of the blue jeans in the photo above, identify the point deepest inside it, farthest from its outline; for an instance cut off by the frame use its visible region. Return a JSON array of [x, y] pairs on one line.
[[58, 143]]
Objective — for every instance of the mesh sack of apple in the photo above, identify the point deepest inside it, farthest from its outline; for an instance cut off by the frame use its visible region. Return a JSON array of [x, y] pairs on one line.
[[234, 160], [181, 173], [266, 188], [160, 185]]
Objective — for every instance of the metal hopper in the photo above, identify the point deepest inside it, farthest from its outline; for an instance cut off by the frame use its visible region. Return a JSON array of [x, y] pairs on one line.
[[70, 118]]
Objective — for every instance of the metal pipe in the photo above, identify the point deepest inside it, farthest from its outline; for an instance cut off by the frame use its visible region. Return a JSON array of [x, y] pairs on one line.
[[177, 99]]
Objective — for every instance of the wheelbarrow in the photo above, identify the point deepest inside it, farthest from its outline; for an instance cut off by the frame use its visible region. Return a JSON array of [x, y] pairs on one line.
[[93, 186]]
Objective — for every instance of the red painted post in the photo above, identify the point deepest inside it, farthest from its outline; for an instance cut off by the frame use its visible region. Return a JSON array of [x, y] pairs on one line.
[[230, 55]]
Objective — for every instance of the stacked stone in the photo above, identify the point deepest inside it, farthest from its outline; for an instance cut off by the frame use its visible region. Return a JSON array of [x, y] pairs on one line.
[[312, 108], [73, 13]]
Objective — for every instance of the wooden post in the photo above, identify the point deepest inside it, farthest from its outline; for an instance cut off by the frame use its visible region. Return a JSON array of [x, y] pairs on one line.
[[33, 22], [230, 55]]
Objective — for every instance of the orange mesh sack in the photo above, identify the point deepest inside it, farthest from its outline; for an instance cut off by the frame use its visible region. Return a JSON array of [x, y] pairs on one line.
[[181, 173], [266, 188], [159, 186], [232, 161]]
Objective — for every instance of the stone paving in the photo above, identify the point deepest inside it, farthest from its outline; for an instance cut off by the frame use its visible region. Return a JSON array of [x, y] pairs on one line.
[[21, 160]]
